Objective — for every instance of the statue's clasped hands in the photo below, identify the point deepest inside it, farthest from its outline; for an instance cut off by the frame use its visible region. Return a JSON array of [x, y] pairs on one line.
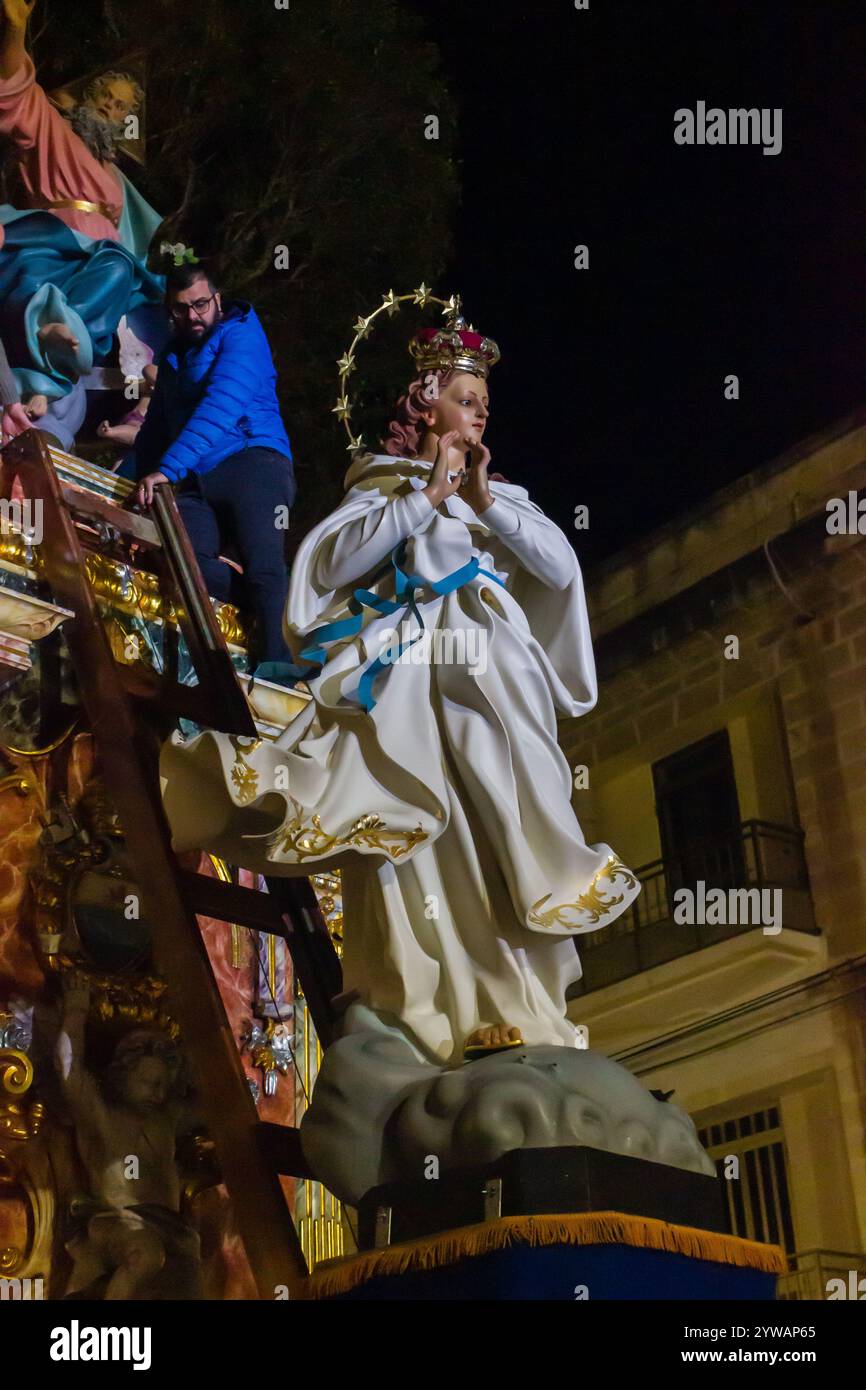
[[475, 488], [472, 484]]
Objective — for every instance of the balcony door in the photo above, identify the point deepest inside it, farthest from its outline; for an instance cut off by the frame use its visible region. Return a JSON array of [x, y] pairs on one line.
[[699, 816]]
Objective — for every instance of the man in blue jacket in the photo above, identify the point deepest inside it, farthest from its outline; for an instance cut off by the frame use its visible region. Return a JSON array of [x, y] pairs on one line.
[[214, 429]]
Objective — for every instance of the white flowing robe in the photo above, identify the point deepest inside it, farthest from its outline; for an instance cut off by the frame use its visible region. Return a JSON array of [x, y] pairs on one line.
[[448, 804]]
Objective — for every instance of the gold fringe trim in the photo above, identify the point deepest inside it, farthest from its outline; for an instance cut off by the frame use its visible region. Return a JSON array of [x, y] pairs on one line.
[[589, 1228]]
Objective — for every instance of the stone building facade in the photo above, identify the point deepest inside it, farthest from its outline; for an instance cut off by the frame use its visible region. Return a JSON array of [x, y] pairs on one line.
[[728, 746]]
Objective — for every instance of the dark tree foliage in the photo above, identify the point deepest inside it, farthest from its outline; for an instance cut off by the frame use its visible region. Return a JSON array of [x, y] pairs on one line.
[[302, 128]]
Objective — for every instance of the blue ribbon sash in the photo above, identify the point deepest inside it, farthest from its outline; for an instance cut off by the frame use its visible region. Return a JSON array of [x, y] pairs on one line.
[[404, 601]]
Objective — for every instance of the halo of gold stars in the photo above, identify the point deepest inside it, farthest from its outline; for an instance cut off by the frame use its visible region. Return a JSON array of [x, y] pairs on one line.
[[422, 296]]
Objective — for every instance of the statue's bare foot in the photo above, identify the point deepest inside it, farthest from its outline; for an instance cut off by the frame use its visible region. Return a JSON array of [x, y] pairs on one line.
[[57, 335], [492, 1038]]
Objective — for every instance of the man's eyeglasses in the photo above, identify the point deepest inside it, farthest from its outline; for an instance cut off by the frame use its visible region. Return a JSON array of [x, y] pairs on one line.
[[198, 307]]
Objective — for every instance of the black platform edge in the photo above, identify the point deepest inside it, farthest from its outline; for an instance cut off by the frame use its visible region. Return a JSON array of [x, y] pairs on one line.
[[538, 1182]]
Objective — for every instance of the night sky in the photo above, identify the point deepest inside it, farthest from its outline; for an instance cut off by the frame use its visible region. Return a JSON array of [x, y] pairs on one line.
[[703, 261]]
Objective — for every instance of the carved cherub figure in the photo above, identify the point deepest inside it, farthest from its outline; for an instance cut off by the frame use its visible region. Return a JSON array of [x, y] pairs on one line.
[[128, 1226]]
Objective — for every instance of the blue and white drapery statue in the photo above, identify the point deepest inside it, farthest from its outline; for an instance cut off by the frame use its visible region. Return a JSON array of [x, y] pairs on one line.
[[50, 273]]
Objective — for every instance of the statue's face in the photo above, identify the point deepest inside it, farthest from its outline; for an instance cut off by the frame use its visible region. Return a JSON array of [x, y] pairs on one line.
[[146, 1084], [463, 405], [113, 100]]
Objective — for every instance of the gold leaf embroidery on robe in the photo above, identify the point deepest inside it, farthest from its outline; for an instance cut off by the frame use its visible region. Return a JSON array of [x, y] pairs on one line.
[[306, 841], [244, 777], [590, 902]]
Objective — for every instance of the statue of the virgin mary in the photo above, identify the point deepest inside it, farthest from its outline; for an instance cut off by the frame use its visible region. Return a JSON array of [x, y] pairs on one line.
[[449, 618]]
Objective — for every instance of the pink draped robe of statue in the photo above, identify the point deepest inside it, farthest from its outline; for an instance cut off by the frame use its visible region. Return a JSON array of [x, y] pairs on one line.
[[54, 163]]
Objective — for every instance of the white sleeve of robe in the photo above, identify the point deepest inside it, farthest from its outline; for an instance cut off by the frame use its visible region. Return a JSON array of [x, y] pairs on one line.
[[362, 545], [537, 543]]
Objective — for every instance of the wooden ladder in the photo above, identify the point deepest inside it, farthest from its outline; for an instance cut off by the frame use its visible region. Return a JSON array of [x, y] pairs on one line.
[[251, 1152]]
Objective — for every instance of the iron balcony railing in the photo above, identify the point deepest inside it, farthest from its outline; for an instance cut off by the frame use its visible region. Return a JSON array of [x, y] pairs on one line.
[[756, 855]]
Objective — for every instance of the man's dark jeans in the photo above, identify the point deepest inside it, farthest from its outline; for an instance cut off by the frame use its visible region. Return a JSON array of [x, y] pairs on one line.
[[235, 505]]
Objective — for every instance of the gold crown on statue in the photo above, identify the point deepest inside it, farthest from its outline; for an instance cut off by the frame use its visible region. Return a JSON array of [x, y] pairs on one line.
[[456, 345]]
